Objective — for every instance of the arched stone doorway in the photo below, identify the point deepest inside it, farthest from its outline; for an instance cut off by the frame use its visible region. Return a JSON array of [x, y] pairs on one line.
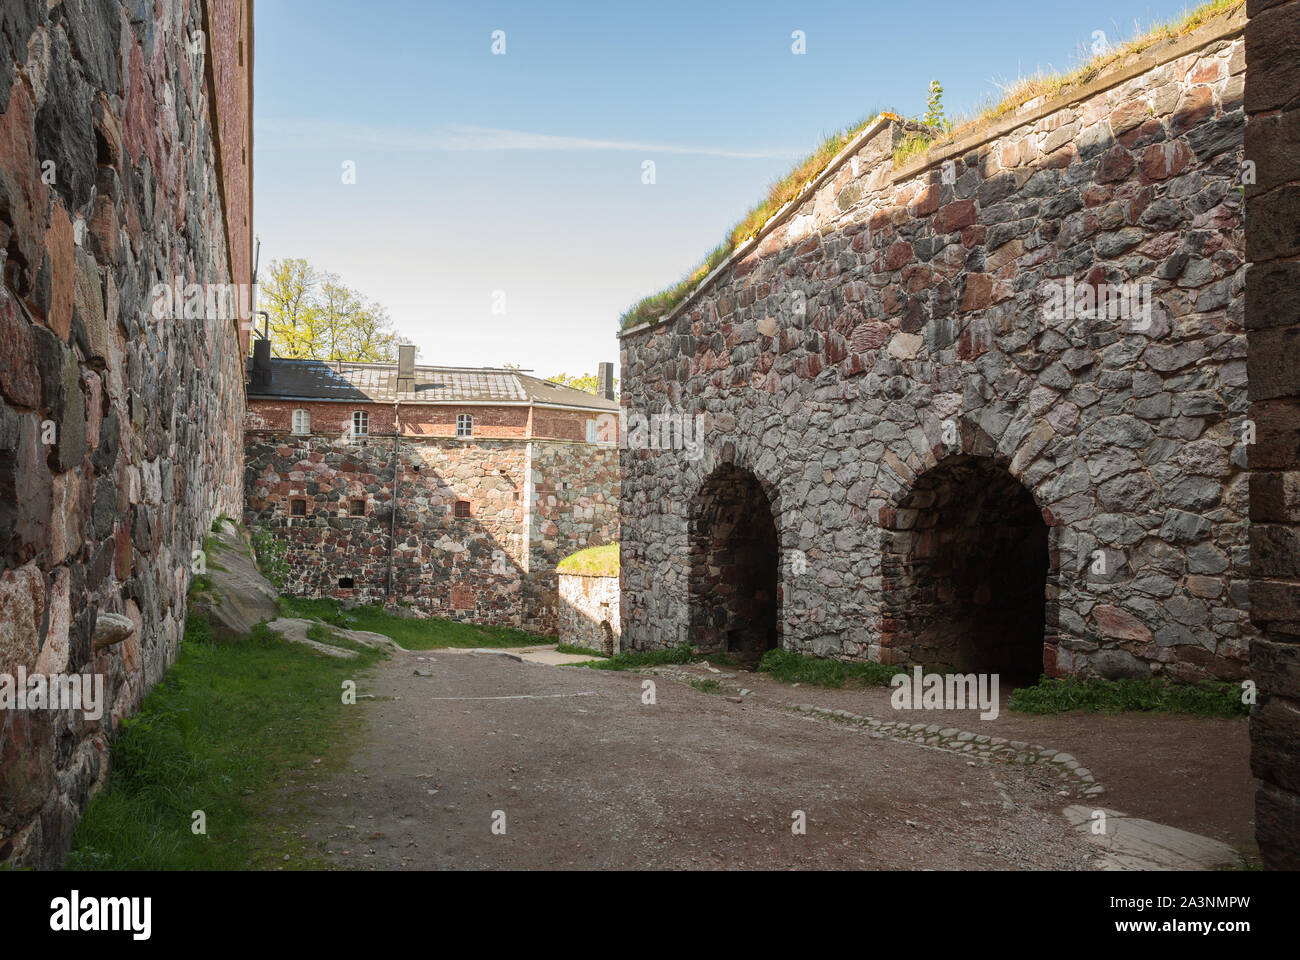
[[735, 561], [965, 566]]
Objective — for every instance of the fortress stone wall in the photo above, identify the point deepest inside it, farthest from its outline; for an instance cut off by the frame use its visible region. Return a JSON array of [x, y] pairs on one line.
[[123, 165], [984, 410]]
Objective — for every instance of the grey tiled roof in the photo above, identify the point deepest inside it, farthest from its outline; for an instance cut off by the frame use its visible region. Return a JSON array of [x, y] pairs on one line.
[[377, 383]]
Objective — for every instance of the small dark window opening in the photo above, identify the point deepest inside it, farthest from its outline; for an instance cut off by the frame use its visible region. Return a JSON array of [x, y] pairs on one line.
[[345, 583], [357, 508], [298, 508], [462, 508]]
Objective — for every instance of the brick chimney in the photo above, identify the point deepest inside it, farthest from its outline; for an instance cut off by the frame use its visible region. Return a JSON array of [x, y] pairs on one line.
[[606, 378], [406, 368], [261, 379]]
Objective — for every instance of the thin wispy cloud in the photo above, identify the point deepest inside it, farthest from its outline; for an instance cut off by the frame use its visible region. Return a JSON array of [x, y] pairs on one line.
[[464, 138]]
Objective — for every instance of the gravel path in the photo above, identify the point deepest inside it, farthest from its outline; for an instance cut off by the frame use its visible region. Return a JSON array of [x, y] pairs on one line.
[[587, 776], [1188, 772]]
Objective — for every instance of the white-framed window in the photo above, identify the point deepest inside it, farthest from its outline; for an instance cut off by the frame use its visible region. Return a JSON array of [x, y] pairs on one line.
[[301, 421], [591, 431], [464, 425], [360, 423]]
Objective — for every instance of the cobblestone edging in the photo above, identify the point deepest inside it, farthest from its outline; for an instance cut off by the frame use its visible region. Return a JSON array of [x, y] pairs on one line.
[[975, 744], [999, 749]]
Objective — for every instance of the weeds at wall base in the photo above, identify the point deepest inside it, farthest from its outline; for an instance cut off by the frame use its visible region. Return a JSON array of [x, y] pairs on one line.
[[234, 728], [1064, 694], [1049, 695]]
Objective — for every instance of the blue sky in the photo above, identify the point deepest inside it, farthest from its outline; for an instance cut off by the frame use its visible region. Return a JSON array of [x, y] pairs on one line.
[[521, 174]]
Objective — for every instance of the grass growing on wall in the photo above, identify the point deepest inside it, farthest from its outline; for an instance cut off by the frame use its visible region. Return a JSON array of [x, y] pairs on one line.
[[912, 145], [231, 724], [1044, 84], [269, 552], [427, 634], [592, 562], [779, 193], [1047, 84]]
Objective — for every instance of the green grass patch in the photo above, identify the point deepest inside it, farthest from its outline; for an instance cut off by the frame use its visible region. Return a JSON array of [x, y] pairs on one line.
[[1062, 694], [230, 726], [723, 659], [592, 562], [638, 660], [412, 634], [323, 634], [579, 651], [824, 672], [269, 553], [706, 685]]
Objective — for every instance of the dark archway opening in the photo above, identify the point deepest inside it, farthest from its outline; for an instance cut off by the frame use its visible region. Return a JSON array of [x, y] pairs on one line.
[[735, 562], [964, 570]]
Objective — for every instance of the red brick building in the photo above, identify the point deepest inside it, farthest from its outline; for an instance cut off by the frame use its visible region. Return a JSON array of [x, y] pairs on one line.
[[498, 475]]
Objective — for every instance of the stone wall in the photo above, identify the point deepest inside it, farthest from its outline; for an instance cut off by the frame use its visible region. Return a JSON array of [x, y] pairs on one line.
[[529, 504], [894, 319], [119, 432], [589, 612], [573, 496], [1273, 322]]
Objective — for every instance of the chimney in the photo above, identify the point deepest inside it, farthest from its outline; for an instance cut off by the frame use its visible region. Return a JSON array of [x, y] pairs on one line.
[[606, 378], [406, 368], [261, 364]]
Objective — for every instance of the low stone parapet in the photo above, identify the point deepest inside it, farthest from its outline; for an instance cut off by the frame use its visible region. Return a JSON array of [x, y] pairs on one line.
[[589, 612]]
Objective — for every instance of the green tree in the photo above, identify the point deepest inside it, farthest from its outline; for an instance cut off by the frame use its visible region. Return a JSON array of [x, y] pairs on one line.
[[314, 315], [587, 382]]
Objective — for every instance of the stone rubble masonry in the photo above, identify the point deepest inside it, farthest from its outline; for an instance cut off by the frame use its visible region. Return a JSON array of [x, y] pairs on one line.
[[589, 612], [573, 493], [531, 503], [1273, 330], [827, 356], [111, 181]]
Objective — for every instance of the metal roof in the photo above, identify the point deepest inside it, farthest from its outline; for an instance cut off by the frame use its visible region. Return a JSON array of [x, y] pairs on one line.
[[377, 383]]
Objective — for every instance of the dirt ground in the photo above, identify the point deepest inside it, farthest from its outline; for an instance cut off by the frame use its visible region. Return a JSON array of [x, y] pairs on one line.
[[584, 775], [1187, 772]]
